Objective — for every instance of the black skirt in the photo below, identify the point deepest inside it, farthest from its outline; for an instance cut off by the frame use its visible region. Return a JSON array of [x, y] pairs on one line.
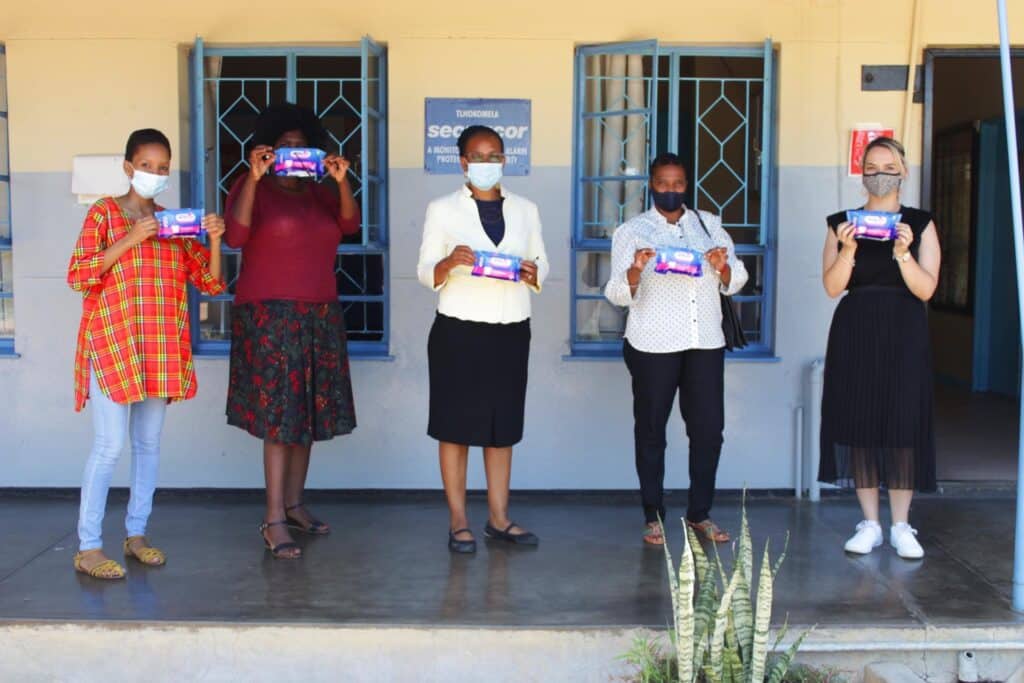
[[876, 412], [289, 378], [478, 375]]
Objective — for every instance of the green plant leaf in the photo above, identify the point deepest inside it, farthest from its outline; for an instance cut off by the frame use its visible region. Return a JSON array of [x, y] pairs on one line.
[[721, 623], [699, 556], [759, 652], [782, 666], [685, 618]]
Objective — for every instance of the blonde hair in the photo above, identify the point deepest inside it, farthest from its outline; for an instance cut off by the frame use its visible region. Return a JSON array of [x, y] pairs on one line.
[[893, 146]]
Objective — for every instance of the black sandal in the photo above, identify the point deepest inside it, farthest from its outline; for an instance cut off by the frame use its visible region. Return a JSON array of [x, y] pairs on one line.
[[316, 527], [276, 550], [525, 538], [461, 547]]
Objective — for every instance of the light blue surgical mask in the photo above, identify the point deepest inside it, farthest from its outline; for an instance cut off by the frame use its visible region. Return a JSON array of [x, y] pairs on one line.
[[484, 175], [149, 185]]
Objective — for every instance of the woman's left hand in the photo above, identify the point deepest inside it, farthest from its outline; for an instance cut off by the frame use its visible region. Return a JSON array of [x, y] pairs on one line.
[[337, 166], [718, 258], [904, 238], [214, 226], [528, 272]]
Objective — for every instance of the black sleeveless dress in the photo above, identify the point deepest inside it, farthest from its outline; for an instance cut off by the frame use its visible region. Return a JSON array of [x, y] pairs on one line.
[[876, 411]]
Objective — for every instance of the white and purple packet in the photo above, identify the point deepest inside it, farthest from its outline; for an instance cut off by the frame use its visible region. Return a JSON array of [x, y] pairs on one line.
[[874, 225], [179, 223], [498, 266], [678, 261], [299, 162]]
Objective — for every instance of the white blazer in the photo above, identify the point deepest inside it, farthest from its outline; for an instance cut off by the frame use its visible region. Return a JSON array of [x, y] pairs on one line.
[[454, 220]]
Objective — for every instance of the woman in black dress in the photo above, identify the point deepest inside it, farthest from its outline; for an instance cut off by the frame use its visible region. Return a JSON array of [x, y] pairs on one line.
[[876, 427]]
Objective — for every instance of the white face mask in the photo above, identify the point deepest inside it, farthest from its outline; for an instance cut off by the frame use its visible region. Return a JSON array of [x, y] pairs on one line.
[[484, 175], [149, 185]]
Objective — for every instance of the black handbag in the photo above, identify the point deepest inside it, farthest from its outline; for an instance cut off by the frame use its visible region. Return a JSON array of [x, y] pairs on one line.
[[731, 328]]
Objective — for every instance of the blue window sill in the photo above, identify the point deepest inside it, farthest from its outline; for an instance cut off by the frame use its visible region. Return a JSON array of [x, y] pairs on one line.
[[9, 354], [615, 354], [7, 349], [371, 353]]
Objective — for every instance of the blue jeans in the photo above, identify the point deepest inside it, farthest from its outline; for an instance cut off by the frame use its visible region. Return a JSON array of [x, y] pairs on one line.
[[111, 424]]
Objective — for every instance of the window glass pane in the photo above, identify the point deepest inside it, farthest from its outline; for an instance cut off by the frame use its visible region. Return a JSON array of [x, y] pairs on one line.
[[360, 274], [610, 203], [215, 320], [598, 320], [593, 268], [4, 165], [6, 317], [3, 81], [5, 211], [617, 82], [755, 269], [750, 319], [6, 272]]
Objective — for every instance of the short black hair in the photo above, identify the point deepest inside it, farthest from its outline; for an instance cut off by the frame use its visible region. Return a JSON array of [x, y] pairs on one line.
[[278, 119], [145, 136], [668, 159], [472, 131]]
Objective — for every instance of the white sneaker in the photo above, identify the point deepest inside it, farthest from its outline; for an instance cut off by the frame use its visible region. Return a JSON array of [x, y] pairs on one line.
[[902, 536], [867, 538]]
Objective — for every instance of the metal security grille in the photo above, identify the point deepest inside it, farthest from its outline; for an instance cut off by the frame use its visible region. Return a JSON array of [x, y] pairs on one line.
[[6, 254], [710, 106], [346, 88]]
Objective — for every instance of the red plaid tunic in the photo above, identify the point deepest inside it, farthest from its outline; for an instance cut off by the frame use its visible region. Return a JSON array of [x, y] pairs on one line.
[[134, 329]]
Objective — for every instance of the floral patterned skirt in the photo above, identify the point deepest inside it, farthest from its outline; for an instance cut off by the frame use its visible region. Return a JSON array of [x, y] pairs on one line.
[[290, 380]]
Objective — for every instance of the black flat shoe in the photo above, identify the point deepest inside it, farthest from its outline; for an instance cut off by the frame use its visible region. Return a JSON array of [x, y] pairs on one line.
[[460, 547], [316, 527], [525, 538]]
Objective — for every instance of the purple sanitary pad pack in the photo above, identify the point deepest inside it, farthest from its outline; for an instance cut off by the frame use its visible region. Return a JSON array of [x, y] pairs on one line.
[[299, 162], [179, 223], [874, 225], [679, 261], [498, 266]]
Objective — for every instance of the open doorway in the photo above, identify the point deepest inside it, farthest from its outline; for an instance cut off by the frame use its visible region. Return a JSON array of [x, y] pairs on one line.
[[973, 317]]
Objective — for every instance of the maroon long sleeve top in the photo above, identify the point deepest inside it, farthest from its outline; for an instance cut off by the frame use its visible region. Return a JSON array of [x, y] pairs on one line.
[[289, 250]]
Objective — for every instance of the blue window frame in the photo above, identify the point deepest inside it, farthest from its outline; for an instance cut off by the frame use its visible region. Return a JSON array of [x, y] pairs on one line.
[[347, 88], [714, 107], [6, 252]]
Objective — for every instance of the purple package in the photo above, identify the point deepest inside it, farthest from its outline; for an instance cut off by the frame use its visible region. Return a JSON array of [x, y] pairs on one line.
[[179, 223], [874, 225], [299, 162], [498, 266], [679, 261]]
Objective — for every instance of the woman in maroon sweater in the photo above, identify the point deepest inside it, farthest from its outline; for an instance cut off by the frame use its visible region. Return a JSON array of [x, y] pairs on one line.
[[290, 383]]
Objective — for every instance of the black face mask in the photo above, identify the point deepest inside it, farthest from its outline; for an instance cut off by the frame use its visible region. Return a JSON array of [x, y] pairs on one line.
[[669, 202]]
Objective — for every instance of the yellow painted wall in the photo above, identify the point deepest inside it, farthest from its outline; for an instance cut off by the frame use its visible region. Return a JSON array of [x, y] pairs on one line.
[[83, 74]]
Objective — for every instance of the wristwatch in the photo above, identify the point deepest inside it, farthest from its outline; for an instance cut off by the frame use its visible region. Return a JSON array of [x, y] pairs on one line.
[[901, 259]]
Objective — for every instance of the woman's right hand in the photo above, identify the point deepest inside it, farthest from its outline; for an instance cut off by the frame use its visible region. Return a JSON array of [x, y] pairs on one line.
[[845, 233], [461, 256], [261, 158], [641, 257], [142, 230]]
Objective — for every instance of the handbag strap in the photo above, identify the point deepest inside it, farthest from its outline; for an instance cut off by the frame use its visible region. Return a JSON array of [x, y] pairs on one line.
[[701, 221]]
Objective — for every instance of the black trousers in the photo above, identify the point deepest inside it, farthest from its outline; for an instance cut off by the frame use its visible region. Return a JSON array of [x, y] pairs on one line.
[[699, 377]]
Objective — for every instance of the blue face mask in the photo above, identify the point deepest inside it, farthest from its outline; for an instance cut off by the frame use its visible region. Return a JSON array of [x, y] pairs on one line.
[[484, 175], [149, 185]]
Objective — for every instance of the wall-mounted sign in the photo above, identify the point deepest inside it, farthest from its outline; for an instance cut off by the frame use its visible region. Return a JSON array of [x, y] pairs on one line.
[[860, 137], [447, 118]]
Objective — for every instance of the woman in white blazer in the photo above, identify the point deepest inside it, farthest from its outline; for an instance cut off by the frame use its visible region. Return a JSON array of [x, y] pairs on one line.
[[479, 344]]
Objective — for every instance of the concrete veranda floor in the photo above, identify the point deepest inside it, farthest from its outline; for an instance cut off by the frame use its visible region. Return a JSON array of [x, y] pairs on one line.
[[386, 563]]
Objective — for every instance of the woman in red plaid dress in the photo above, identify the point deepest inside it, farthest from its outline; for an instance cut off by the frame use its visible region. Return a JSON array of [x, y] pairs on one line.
[[134, 352]]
